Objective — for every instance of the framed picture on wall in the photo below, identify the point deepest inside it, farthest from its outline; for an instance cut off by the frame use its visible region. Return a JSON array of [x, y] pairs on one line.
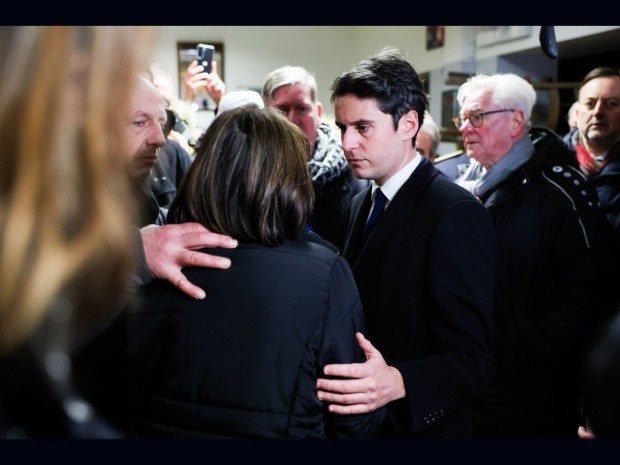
[[435, 36], [449, 109], [186, 53]]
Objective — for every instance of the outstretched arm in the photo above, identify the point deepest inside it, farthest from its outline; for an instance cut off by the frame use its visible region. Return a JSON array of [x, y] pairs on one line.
[[196, 77], [365, 387], [169, 248]]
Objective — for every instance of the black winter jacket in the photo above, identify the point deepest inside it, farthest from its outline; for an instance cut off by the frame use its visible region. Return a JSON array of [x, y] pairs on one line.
[[244, 361], [552, 289]]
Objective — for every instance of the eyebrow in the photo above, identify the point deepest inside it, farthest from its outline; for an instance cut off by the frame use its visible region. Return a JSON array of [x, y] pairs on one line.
[[361, 122], [146, 114]]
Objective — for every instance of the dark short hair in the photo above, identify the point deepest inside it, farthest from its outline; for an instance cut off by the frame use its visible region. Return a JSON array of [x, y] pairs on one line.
[[601, 71], [388, 78], [250, 178]]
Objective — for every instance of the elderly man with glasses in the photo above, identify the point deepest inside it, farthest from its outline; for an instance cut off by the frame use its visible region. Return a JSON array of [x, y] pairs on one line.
[[554, 260]]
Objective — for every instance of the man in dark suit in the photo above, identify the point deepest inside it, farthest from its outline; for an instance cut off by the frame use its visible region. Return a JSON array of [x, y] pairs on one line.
[[425, 273]]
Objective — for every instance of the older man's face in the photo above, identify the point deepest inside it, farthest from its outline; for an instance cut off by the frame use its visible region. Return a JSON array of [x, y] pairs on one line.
[[492, 140], [143, 129]]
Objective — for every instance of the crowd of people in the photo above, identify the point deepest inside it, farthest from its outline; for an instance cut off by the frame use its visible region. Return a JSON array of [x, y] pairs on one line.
[[279, 277]]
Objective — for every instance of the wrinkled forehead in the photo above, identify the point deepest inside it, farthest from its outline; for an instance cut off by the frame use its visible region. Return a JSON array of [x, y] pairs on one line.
[[296, 91], [148, 99]]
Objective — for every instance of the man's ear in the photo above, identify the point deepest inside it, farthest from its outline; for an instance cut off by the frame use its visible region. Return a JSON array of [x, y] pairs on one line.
[[517, 123], [319, 109], [410, 124]]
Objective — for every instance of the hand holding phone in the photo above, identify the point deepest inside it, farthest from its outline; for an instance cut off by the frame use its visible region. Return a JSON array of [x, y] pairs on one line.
[[204, 56]]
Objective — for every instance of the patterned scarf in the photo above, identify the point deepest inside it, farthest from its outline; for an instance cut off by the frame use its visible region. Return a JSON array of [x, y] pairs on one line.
[[328, 161]]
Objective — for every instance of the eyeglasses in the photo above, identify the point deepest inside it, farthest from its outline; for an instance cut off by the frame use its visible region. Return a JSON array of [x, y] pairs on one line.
[[476, 119]]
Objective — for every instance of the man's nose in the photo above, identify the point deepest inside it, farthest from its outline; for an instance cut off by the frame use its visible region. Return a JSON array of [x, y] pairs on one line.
[[349, 140], [157, 136]]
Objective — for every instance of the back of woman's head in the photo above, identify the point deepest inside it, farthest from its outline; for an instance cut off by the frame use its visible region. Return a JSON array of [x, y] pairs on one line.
[[65, 207], [249, 179]]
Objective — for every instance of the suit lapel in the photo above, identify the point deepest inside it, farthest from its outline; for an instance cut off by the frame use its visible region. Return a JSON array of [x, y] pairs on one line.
[[360, 206], [401, 207]]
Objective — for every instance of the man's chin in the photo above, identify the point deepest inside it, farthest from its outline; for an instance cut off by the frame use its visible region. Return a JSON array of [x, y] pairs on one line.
[[140, 173], [597, 132]]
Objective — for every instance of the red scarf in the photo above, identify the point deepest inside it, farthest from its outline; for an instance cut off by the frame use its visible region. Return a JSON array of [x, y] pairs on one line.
[[590, 165]]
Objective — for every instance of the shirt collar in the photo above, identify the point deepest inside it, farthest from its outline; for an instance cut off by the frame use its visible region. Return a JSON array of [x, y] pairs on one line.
[[391, 187]]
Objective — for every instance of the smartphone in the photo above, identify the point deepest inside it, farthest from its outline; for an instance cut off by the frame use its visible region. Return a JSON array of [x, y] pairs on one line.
[[204, 56]]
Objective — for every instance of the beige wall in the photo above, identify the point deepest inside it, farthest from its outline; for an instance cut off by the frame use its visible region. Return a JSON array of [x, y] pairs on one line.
[[252, 51]]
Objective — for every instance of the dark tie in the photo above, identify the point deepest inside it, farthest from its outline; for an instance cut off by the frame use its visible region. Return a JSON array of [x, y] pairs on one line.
[[377, 210]]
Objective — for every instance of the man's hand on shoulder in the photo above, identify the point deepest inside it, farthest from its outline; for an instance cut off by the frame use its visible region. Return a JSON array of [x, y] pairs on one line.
[[169, 248]]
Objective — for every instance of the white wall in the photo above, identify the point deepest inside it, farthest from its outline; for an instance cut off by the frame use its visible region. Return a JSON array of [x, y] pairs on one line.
[[251, 52]]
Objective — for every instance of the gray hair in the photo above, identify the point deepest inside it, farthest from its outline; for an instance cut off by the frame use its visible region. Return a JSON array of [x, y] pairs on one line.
[[287, 76], [430, 127], [507, 90]]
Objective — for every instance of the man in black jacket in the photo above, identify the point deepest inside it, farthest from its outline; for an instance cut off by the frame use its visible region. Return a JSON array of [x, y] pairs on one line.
[[553, 274], [596, 142]]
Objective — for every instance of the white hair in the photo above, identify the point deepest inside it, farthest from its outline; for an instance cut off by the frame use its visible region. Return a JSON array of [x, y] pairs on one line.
[[507, 90]]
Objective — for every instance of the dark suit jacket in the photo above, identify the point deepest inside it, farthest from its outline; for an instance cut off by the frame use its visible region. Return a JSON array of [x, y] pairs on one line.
[[426, 278]]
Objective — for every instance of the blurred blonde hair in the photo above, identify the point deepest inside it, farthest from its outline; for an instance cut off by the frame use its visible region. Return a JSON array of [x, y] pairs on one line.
[[65, 203]]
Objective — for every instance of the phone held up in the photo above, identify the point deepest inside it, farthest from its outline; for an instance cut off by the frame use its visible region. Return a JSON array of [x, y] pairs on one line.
[[204, 56]]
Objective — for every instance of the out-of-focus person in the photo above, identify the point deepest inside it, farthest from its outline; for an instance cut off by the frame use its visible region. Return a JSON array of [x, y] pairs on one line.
[[428, 138], [182, 122], [427, 141], [197, 78], [98, 363], [145, 137], [571, 119], [240, 97], [600, 384], [453, 164], [172, 163], [67, 207]]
